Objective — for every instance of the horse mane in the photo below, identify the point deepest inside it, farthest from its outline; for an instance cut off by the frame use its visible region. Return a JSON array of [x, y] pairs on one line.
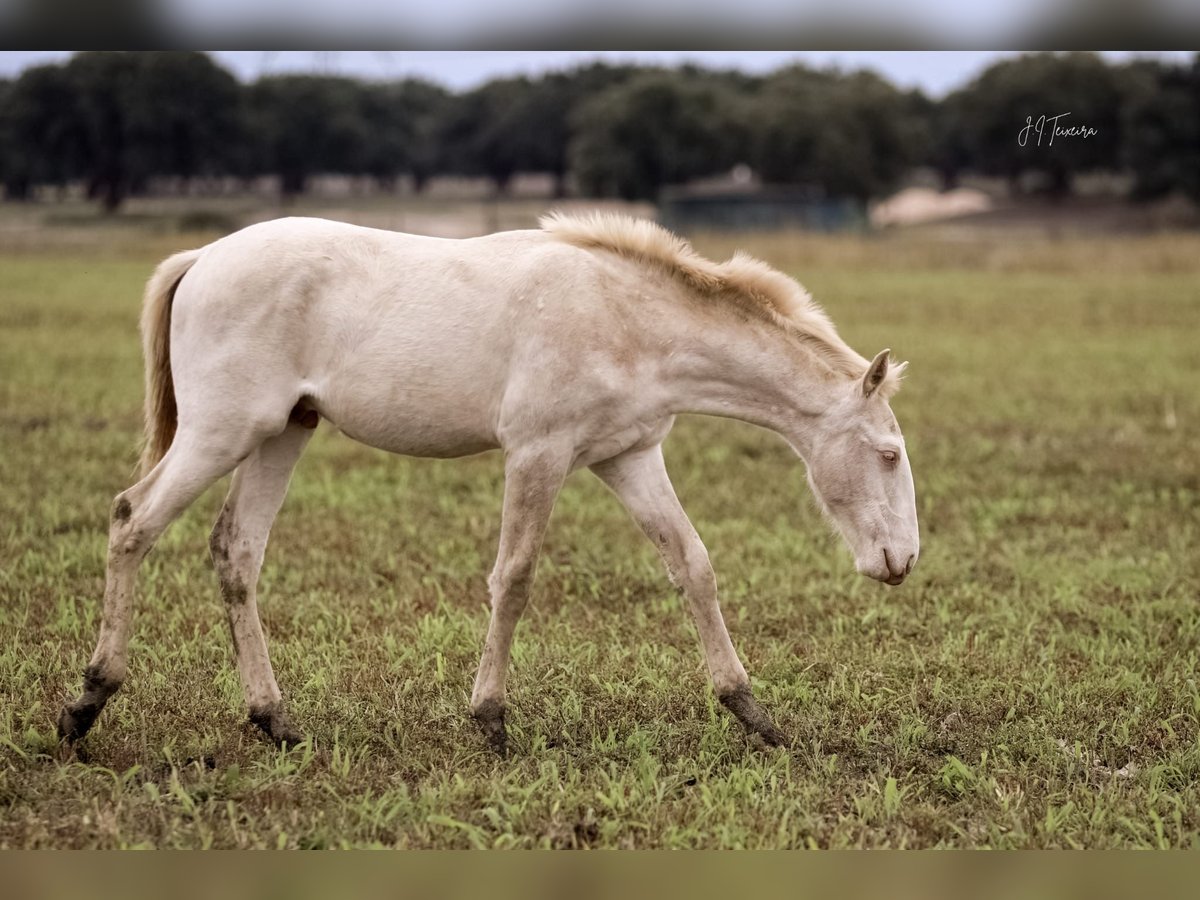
[[750, 283]]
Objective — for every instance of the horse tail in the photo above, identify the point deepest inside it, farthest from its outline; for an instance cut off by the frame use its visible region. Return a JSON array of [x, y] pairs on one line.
[[161, 414]]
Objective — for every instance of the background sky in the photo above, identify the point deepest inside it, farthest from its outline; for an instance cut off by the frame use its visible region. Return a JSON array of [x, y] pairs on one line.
[[936, 72]]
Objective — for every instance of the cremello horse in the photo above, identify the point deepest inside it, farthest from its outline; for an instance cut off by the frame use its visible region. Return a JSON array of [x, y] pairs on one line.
[[570, 346]]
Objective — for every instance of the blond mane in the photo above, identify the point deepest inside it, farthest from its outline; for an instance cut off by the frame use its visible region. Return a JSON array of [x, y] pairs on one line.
[[749, 282]]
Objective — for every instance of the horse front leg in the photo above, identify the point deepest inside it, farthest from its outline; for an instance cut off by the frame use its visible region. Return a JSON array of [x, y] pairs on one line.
[[532, 479], [640, 480]]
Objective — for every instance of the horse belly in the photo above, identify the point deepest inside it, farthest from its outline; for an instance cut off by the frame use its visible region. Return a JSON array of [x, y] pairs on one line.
[[411, 435], [442, 417]]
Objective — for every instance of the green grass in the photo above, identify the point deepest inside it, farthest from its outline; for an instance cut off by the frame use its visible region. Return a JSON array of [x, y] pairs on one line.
[[1032, 685]]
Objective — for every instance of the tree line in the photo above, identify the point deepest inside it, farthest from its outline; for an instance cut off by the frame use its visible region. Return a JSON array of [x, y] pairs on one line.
[[114, 121]]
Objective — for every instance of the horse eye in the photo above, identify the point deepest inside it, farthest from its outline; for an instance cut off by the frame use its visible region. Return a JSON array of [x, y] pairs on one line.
[[889, 455]]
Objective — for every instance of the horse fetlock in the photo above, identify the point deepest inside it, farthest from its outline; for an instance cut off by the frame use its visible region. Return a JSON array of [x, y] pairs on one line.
[[274, 721], [490, 716], [77, 718], [103, 678], [755, 721]]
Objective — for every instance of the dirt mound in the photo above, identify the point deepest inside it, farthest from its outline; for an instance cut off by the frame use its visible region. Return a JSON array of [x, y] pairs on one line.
[[915, 205]]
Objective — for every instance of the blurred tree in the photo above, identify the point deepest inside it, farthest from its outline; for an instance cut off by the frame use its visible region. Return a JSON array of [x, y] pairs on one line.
[[185, 117], [476, 136], [7, 150], [117, 118], [140, 114], [305, 124], [40, 131], [948, 150], [998, 104], [786, 124], [102, 85], [516, 125], [733, 79], [656, 129], [1162, 128], [548, 107], [497, 130], [402, 119], [853, 135], [551, 105]]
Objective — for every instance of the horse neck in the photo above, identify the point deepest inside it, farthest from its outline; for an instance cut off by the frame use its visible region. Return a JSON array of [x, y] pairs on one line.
[[753, 371]]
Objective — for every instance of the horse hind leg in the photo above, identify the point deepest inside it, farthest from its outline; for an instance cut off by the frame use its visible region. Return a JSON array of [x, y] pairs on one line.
[[139, 516], [238, 542]]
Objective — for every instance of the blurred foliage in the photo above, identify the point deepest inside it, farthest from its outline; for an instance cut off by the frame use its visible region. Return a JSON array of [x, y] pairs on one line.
[[1162, 124], [986, 115], [855, 135], [305, 124], [115, 120], [655, 129]]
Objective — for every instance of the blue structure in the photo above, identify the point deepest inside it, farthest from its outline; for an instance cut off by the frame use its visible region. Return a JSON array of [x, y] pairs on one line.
[[758, 209]]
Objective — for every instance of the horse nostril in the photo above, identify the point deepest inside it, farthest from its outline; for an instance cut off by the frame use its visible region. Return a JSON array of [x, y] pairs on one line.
[[895, 574], [912, 561]]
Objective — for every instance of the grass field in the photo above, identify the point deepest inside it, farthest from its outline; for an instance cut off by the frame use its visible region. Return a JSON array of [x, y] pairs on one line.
[[1032, 685]]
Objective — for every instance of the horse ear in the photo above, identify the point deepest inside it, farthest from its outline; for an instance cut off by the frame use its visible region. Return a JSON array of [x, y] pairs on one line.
[[876, 372]]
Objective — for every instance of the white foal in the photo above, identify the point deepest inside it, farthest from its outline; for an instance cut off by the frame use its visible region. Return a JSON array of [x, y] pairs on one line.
[[567, 347]]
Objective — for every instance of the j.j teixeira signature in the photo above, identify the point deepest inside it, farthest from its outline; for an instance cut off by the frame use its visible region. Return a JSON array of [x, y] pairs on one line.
[[1047, 126]]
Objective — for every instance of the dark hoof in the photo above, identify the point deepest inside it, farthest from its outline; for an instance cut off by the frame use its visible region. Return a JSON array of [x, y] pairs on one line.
[[277, 725], [76, 720], [490, 716], [758, 725], [771, 736]]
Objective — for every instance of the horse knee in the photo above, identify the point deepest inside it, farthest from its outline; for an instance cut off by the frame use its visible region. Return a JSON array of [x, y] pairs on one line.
[[510, 583], [698, 567], [692, 572]]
